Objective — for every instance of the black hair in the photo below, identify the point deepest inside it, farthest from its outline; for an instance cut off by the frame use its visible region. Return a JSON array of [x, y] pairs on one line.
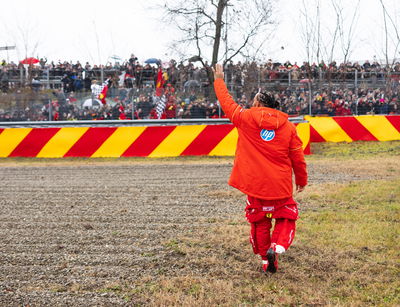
[[268, 100]]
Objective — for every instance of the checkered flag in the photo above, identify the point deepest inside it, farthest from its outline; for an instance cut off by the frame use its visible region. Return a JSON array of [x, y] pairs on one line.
[[161, 106], [97, 89]]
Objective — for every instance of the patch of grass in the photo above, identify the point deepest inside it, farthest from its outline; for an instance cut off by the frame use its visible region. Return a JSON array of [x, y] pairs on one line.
[[114, 288], [357, 216], [58, 288], [172, 243], [345, 253], [195, 289], [333, 169], [148, 254], [359, 149], [175, 246]]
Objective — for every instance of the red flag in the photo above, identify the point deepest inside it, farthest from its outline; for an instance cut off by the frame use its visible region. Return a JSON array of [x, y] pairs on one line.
[[160, 83], [103, 94]]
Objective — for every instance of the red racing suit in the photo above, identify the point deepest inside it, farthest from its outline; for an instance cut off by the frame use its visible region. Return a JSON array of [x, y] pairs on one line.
[[260, 212], [268, 152]]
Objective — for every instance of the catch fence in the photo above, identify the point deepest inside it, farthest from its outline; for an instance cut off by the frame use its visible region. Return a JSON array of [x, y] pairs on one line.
[[47, 94], [237, 82]]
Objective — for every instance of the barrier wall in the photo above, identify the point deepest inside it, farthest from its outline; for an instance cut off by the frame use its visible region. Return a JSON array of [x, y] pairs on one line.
[[354, 128], [180, 140], [155, 141]]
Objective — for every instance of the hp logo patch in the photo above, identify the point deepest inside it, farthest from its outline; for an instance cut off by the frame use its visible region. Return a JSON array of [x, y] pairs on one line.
[[267, 135]]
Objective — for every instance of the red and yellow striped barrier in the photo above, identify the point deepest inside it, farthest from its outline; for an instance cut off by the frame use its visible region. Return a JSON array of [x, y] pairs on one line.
[[189, 140], [158, 141], [354, 128]]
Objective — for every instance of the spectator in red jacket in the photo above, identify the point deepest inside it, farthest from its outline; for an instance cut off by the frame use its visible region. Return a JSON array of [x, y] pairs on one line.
[[170, 108]]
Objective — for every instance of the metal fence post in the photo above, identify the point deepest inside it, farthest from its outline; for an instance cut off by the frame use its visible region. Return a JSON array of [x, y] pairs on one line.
[[357, 107], [50, 111], [48, 78], [133, 108], [320, 75], [310, 96], [356, 79], [21, 75], [356, 89], [102, 74]]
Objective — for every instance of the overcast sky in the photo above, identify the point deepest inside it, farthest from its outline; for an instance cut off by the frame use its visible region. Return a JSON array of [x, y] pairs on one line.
[[93, 31]]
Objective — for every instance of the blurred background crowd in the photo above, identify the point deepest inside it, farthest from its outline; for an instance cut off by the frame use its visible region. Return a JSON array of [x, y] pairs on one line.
[[42, 90]]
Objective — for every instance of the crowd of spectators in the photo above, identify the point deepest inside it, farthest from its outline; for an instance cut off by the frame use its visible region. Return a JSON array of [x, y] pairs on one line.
[[132, 89], [78, 77], [122, 106], [339, 102], [131, 73]]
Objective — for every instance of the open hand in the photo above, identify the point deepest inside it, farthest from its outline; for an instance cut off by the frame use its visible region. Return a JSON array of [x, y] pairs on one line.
[[218, 71]]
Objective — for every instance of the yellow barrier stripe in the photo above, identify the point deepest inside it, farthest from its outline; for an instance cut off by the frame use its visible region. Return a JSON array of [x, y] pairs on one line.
[[10, 138], [379, 127], [329, 129], [118, 142], [177, 141], [303, 131], [61, 142], [227, 146]]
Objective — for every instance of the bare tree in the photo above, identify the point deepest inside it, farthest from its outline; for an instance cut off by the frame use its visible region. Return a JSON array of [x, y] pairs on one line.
[[346, 29], [322, 40], [392, 41], [24, 34], [309, 36], [329, 47], [391, 37], [202, 23]]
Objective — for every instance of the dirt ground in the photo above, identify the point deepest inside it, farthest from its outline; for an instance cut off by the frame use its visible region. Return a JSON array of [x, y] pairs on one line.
[[71, 233]]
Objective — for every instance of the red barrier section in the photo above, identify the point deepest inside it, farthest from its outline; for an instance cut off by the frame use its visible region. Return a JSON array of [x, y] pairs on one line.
[[148, 141], [315, 137], [34, 142], [87, 145], [395, 121], [207, 140], [354, 129]]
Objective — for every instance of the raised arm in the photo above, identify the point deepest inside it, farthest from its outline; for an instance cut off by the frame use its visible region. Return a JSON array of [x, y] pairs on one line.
[[230, 107]]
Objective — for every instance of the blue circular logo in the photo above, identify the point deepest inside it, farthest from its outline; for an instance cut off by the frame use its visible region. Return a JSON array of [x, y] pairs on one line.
[[267, 135]]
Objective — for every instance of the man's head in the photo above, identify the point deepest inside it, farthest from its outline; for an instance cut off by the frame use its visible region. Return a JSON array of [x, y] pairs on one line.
[[264, 99]]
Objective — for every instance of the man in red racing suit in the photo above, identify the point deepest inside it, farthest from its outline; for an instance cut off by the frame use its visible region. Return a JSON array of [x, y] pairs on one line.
[[268, 152]]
